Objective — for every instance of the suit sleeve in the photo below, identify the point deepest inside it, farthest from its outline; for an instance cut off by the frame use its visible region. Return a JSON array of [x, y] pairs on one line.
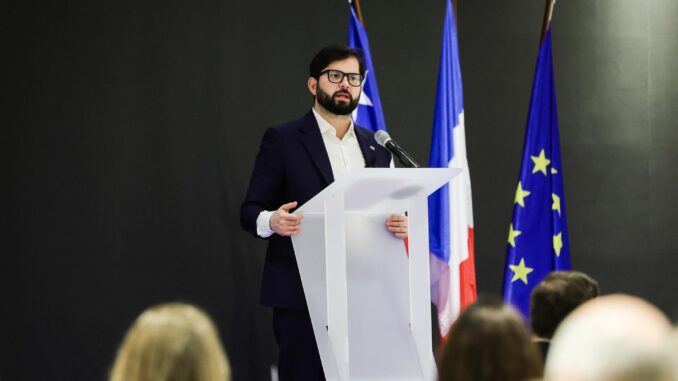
[[267, 182]]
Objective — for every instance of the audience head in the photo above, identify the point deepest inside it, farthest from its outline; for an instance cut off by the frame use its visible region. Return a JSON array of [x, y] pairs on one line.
[[673, 353], [489, 342], [611, 338], [556, 296], [171, 342]]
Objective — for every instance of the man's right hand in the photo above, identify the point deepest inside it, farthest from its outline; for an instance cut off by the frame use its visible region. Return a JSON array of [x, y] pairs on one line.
[[285, 223]]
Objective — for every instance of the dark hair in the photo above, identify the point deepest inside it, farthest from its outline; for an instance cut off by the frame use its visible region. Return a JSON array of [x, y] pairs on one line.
[[334, 53], [556, 296], [489, 342]]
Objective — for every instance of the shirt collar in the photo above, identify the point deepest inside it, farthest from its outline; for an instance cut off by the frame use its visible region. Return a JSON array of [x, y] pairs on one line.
[[327, 128]]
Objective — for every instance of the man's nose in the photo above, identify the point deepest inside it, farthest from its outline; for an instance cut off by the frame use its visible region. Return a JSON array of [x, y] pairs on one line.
[[344, 82]]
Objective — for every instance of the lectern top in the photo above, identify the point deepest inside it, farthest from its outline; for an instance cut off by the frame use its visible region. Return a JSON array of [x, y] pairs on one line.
[[374, 189]]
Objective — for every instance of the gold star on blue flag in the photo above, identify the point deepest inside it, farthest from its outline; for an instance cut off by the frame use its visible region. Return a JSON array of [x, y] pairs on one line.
[[540, 219]]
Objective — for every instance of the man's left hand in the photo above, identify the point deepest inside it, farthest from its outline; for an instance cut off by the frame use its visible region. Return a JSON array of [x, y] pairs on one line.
[[397, 224]]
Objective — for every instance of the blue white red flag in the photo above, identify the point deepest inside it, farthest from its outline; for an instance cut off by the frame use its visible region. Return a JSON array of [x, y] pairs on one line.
[[368, 114], [538, 241], [453, 279]]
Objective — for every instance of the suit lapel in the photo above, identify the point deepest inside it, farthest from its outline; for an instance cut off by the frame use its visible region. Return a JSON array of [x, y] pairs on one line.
[[366, 145], [313, 142]]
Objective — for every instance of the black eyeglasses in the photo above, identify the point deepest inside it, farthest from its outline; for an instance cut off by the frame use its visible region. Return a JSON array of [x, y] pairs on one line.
[[336, 76]]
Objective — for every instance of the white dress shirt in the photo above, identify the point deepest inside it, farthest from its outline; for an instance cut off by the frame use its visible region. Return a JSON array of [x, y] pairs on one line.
[[344, 154]]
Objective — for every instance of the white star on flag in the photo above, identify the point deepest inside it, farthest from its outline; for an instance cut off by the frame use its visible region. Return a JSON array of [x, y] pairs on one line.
[[364, 100]]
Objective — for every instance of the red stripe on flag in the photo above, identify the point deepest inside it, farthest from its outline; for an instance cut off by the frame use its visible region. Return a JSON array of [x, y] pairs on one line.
[[467, 275], [467, 284]]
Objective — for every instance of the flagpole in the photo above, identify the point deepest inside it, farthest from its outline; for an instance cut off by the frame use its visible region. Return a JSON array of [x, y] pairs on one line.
[[356, 5], [548, 12], [454, 7]]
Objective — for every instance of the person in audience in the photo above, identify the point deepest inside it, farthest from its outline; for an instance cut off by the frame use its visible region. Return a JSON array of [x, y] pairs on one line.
[[554, 298], [610, 338], [673, 353], [171, 342], [489, 342]]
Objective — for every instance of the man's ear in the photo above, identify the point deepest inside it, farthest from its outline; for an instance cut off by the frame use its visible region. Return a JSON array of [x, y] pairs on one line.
[[312, 85]]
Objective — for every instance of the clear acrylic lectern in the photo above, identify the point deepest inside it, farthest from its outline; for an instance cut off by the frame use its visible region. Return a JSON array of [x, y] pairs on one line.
[[369, 300]]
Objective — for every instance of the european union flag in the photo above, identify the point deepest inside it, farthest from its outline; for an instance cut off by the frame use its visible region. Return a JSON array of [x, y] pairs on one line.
[[368, 114], [538, 242]]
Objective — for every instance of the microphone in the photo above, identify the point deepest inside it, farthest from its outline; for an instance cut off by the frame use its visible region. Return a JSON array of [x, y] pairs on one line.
[[382, 137]]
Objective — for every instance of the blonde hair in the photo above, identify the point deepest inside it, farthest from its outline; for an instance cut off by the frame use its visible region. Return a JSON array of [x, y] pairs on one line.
[[171, 342]]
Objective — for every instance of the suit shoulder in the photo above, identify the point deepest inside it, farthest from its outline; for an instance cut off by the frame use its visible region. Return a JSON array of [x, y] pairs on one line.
[[283, 131], [293, 125]]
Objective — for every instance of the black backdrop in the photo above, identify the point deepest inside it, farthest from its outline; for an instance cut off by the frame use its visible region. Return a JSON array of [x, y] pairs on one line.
[[129, 130]]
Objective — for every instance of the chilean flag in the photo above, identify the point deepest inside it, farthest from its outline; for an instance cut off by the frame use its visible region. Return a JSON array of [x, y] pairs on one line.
[[368, 114], [453, 278]]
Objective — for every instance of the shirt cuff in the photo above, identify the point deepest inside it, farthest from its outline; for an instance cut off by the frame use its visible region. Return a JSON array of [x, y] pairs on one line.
[[263, 224]]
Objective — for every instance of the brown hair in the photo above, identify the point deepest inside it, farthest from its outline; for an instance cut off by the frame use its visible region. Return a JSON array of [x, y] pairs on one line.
[[171, 342], [489, 342], [556, 296]]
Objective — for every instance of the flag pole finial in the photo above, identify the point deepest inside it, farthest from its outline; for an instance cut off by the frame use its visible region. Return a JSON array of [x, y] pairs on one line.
[[454, 8], [548, 13], [356, 5]]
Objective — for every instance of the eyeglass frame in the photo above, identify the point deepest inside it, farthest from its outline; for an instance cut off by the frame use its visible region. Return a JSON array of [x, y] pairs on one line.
[[343, 75]]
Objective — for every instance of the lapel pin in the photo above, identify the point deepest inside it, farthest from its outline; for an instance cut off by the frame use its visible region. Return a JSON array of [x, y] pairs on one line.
[[372, 148]]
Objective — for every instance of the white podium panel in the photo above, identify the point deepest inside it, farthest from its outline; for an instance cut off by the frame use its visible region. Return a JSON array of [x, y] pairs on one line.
[[369, 301]]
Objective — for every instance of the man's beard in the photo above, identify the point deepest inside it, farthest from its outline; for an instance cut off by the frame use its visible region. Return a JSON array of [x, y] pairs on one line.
[[335, 106]]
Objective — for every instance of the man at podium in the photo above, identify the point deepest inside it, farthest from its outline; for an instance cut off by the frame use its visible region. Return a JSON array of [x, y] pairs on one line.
[[297, 160]]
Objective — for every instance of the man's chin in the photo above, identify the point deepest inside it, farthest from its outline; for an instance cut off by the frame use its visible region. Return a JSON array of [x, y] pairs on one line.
[[343, 109], [342, 102], [343, 112], [338, 107]]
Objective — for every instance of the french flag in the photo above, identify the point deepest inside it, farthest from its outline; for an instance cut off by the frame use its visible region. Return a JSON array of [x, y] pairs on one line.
[[453, 279]]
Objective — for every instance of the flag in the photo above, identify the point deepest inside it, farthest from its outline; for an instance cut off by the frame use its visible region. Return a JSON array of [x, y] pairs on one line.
[[538, 241], [453, 279], [368, 114]]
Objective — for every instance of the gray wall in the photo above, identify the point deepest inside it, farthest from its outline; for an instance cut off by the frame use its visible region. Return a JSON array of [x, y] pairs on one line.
[[617, 104], [130, 129]]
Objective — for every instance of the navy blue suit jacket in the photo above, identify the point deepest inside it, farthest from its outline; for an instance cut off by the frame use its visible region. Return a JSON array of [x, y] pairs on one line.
[[293, 165]]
